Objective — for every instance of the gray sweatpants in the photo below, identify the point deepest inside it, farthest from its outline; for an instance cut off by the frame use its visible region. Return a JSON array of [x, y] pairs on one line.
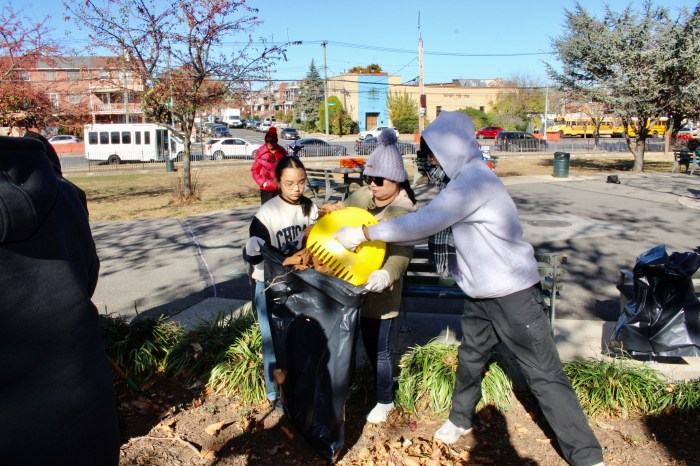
[[519, 321]]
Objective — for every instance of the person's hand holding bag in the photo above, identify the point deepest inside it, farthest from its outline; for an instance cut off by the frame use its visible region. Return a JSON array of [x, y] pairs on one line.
[[350, 237], [252, 247], [378, 281]]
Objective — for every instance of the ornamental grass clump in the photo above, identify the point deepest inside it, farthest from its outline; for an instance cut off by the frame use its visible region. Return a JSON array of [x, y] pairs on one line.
[[681, 397], [139, 347], [241, 370], [614, 387], [427, 378], [204, 347]]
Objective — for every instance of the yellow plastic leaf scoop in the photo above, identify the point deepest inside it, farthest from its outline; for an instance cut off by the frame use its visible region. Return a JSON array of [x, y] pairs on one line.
[[353, 267]]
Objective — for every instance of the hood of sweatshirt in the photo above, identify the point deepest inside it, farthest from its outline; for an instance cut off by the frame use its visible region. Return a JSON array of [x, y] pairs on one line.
[[28, 187], [451, 138]]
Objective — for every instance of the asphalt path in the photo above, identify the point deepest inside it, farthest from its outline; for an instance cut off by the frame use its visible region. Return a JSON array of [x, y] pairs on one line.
[[154, 267]]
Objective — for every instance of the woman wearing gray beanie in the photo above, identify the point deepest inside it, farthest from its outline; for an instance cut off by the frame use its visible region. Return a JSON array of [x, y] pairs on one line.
[[387, 195]]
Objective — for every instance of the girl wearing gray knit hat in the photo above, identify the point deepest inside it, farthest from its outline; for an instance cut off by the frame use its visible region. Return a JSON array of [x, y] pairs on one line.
[[387, 195]]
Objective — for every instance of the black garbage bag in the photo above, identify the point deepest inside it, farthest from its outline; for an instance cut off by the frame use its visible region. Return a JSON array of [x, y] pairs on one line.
[[314, 318], [663, 316]]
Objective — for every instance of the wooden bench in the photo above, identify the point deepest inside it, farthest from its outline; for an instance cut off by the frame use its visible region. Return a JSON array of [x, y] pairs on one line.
[[687, 158], [317, 179]]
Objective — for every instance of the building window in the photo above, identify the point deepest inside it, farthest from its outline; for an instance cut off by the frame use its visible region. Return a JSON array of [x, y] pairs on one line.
[[103, 74], [146, 137], [126, 137], [137, 137], [73, 74], [53, 98], [75, 99], [92, 137], [50, 75], [482, 108], [114, 137], [104, 137], [438, 109]]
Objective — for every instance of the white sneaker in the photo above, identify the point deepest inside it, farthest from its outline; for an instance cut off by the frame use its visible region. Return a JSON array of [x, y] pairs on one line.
[[450, 433], [379, 413]]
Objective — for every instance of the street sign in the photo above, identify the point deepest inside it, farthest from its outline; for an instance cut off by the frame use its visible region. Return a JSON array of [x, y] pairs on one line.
[[331, 104]]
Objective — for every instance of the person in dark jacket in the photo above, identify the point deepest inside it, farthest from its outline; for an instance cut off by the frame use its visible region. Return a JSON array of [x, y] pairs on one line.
[[57, 401]]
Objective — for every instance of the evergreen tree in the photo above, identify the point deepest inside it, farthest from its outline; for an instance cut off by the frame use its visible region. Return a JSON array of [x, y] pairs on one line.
[[634, 63], [310, 96]]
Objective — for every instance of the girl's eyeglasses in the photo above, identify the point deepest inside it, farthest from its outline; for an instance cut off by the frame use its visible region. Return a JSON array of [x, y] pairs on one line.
[[377, 180]]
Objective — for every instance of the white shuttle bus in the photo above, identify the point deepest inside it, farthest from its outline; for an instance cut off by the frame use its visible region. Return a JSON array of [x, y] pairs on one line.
[[127, 142]]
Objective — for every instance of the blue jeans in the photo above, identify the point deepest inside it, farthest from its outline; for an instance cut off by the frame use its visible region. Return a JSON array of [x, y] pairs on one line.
[[375, 337], [268, 350]]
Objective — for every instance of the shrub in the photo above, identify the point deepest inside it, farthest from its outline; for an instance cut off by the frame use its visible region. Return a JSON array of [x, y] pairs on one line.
[[241, 370], [407, 125], [614, 387], [141, 347], [427, 378], [204, 347], [682, 397]]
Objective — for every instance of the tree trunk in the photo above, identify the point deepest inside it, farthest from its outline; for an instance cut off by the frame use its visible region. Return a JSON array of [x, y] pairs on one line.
[[186, 175], [639, 155]]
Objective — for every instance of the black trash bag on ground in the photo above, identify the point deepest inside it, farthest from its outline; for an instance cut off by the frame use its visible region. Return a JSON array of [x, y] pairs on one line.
[[314, 318], [663, 316]]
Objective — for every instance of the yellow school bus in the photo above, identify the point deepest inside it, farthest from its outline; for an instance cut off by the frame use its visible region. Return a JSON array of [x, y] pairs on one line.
[[659, 129], [580, 125]]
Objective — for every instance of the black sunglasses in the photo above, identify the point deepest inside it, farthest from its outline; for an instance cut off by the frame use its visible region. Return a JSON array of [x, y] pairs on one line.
[[377, 180]]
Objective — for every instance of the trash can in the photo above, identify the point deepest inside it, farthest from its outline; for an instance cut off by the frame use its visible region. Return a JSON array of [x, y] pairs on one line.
[[169, 165], [561, 164]]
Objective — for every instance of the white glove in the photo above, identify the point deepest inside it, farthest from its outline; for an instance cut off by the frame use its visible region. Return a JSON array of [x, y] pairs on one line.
[[378, 281], [252, 247], [350, 237]]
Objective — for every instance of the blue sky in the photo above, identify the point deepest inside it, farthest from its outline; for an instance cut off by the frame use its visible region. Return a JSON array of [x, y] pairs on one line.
[[360, 32]]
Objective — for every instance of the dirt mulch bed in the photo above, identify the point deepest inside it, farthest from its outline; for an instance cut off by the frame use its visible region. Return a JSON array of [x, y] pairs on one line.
[[185, 425]]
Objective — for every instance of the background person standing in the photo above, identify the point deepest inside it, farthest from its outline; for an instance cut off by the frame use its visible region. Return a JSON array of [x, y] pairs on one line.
[[263, 167]]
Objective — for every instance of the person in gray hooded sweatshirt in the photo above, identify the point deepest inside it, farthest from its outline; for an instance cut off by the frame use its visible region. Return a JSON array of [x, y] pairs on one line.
[[497, 271]]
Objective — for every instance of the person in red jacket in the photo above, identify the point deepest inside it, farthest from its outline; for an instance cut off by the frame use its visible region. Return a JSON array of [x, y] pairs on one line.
[[263, 168]]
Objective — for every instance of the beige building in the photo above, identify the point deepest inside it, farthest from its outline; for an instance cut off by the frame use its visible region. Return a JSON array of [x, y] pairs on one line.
[[364, 96]]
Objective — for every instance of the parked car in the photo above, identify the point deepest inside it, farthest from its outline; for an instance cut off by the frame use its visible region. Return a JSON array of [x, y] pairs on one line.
[[251, 123], [367, 145], [489, 132], [289, 133], [220, 131], [519, 141], [264, 126], [373, 133], [313, 147], [63, 139], [235, 148], [683, 131]]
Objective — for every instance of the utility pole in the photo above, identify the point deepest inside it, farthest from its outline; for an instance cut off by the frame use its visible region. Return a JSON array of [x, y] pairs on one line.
[[546, 110], [421, 89], [325, 84]]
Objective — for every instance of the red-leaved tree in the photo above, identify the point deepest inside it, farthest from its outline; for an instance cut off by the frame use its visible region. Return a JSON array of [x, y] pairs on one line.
[[178, 48]]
